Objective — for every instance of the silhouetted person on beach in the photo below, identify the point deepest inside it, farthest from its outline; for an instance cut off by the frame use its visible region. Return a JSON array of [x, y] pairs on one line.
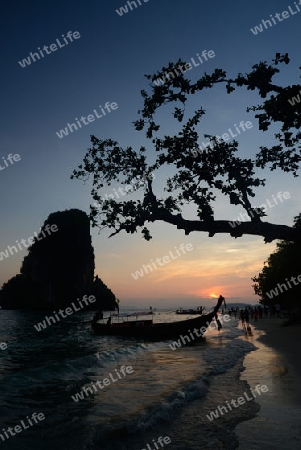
[[251, 313], [255, 314], [266, 312], [260, 312], [242, 318], [246, 313]]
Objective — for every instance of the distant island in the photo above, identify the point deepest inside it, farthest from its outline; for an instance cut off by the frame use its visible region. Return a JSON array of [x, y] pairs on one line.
[[59, 268]]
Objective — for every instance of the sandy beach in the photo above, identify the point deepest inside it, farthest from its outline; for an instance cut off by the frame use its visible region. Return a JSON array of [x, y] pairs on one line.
[[285, 340], [276, 364]]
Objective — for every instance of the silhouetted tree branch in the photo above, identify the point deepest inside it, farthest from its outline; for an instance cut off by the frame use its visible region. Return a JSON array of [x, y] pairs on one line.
[[199, 175]]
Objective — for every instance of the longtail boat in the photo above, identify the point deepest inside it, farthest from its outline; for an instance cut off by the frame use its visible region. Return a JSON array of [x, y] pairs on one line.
[[191, 311], [146, 329]]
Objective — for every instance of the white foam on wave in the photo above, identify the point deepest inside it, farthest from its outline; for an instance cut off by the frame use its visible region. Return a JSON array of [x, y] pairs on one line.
[[223, 358]]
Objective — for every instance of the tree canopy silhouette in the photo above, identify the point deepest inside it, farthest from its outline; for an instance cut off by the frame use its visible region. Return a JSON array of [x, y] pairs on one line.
[[199, 175], [278, 281]]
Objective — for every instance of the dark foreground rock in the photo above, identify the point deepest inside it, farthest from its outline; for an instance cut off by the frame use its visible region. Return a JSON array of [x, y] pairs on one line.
[[59, 268]]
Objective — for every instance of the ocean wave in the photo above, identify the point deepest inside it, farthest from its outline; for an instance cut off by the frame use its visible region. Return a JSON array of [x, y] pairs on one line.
[[223, 358]]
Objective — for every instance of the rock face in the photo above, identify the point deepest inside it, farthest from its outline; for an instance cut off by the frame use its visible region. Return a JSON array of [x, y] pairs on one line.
[[59, 268]]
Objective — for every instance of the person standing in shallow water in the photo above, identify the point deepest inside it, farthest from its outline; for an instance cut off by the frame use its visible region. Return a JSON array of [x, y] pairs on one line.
[[242, 318], [219, 325], [246, 313]]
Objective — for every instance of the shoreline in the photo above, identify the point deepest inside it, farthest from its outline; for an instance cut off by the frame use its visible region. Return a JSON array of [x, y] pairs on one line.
[[275, 363], [284, 339]]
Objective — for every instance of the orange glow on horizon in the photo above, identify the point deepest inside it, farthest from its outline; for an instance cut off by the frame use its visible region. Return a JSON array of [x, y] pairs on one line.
[[213, 293], [208, 293]]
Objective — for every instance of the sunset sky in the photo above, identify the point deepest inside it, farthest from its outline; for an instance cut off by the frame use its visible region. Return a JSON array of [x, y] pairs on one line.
[[107, 63]]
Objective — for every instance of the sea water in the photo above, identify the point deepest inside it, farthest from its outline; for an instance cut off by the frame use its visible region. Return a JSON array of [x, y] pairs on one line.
[[167, 393]]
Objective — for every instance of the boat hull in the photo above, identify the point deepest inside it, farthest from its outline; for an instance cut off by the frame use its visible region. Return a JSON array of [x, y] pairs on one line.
[[154, 331]]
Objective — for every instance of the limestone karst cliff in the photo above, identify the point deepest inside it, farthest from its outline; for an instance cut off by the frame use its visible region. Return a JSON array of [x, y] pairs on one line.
[[59, 268]]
